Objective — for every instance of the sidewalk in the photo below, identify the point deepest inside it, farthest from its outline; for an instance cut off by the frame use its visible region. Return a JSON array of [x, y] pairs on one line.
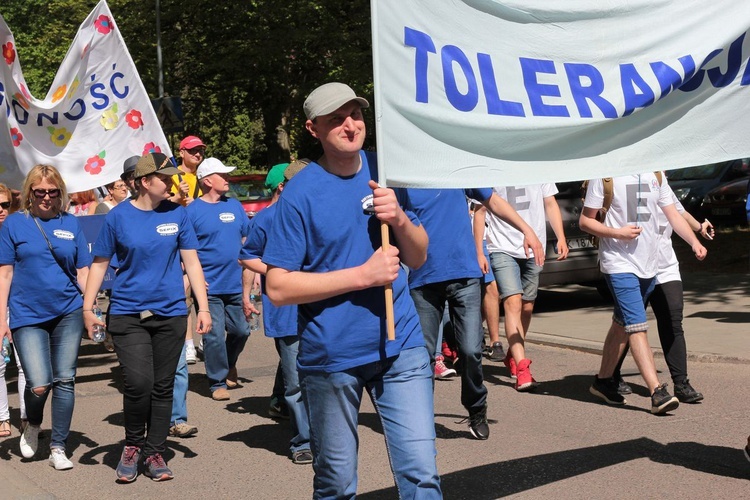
[[716, 318]]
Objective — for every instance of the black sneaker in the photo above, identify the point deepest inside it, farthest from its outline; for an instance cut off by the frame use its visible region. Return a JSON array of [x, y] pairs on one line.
[[127, 469], [606, 389], [685, 392], [478, 425], [662, 401], [623, 387], [302, 457], [496, 352]]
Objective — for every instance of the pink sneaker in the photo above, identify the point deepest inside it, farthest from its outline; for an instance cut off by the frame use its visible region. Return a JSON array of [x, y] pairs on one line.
[[524, 380], [449, 353], [442, 371], [510, 363]]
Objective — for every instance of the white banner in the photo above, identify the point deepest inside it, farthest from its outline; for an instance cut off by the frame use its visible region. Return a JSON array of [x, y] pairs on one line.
[[510, 92], [95, 115]]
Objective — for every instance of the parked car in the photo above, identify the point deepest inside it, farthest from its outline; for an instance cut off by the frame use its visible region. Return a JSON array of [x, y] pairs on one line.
[[251, 191], [691, 184], [582, 264], [726, 205]]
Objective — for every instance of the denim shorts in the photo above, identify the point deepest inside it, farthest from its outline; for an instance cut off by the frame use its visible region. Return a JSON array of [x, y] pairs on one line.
[[630, 294], [515, 276]]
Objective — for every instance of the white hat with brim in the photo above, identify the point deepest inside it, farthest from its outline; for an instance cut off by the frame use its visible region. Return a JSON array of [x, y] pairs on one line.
[[212, 166]]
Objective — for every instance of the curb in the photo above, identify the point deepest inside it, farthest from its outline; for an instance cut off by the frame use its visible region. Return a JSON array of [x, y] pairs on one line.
[[593, 347]]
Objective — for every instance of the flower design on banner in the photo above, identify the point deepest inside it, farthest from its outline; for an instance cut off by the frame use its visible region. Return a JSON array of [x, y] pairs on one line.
[[9, 53], [150, 148], [103, 24], [16, 136], [134, 119], [21, 100], [59, 93], [25, 92], [109, 118], [73, 87], [95, 163], [59, 136]]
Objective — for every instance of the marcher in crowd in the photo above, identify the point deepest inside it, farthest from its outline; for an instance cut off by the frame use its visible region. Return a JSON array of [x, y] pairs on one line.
[[667, 303], [324, 253], [280, 323], [147, 321], [221, 226], [83, 203], [128, 170], [451, 273], [43, 258], [628, 253], [517, 272], [117, 192], [5, 428]]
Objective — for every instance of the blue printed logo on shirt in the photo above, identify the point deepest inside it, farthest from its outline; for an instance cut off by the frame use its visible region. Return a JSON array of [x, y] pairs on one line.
[[63, 235], [226, 217], [167, 229]]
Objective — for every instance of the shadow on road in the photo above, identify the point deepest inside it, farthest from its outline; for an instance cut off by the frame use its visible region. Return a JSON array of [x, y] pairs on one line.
[[516, 476]]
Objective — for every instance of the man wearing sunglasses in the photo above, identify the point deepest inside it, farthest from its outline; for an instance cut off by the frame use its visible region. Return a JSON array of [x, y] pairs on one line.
[[186, 188]]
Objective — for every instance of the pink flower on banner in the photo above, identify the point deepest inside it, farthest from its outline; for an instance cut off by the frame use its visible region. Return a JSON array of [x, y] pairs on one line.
[[9, 53], [16, 136], [95, 163], [103, 24], [24, 91], [150, 148], [134, 119]]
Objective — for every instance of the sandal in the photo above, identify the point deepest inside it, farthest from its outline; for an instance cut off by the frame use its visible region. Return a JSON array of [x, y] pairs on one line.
[[5, 429]]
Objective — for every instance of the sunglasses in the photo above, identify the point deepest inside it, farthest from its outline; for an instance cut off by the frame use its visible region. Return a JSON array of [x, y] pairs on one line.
[[195, 151], [41, 193], [5, 205]]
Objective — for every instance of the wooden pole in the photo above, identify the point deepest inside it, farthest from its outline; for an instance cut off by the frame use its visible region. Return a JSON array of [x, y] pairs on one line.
[[389, 320]]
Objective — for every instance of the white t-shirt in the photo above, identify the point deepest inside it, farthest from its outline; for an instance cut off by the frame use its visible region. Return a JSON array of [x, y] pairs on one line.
[[636, 202], [528, 201], [669, 266]]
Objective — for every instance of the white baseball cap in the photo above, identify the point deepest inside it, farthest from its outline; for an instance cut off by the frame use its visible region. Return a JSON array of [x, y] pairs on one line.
[[330, 97], [212, 166]]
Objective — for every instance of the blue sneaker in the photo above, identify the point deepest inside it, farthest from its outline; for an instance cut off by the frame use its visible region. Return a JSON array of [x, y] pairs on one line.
[[127, 469], [156, 468]]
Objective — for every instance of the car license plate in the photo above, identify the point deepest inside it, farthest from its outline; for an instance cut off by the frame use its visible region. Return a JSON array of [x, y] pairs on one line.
[[577, 243], [721, 211]]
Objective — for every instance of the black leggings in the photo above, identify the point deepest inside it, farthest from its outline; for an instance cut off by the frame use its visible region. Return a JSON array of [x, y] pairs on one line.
[[148, 351], [667, 303]]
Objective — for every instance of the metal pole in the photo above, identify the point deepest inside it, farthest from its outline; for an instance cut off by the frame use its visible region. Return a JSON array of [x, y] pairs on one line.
[[158, 50]]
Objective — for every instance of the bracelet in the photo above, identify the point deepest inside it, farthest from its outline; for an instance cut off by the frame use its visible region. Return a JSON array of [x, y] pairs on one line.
[[87, 310], [204, 311]]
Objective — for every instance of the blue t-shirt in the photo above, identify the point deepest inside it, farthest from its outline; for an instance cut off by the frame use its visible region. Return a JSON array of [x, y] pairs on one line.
[[40, 289], [220, 228], [277, 321], [323, 223], [451, 253], [147, 245]]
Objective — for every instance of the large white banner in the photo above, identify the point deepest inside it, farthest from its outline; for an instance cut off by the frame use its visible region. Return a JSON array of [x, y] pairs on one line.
[[482, 93], [95, 115]]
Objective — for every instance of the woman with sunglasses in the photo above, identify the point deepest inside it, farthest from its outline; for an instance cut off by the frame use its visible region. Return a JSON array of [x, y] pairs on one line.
[[147, 318], [6, 198], [43, 258]]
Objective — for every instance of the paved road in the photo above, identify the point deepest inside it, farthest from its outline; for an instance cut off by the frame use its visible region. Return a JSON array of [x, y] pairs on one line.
[[558, 442]]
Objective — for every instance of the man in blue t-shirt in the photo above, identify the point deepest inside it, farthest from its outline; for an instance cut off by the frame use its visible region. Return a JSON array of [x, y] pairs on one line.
[[324, 252], [452, 274], [280, 323], [221, 226]]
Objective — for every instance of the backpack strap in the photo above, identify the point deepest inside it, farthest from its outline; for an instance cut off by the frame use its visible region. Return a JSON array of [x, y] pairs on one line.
[[658, 176], [609, 193]]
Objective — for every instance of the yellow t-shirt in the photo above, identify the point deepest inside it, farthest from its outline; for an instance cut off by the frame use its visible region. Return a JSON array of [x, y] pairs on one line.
[[192, 180]]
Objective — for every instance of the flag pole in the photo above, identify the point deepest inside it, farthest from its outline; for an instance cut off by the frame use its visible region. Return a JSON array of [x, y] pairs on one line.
[[384, 232]]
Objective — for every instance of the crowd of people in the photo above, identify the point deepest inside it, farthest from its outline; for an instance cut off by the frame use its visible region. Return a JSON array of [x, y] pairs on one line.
[[326, 249]]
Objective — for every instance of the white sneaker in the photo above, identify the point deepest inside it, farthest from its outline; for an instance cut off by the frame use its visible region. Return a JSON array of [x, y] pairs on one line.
[[30, 440], [58, 460], [190, 354]]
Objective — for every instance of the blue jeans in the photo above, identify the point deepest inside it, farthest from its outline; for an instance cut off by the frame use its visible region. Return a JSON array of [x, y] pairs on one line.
[[49, 356], [401, 391], [464, 298], [287, 348], [179, 393], [220, 353]]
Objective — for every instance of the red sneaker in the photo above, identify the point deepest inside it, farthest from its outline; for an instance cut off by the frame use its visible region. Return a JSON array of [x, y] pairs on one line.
[[524, 380], [449, 353], [510, 364], [442, 371]]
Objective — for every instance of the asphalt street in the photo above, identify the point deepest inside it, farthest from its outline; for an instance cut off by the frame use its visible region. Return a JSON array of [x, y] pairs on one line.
[[558, 442]]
